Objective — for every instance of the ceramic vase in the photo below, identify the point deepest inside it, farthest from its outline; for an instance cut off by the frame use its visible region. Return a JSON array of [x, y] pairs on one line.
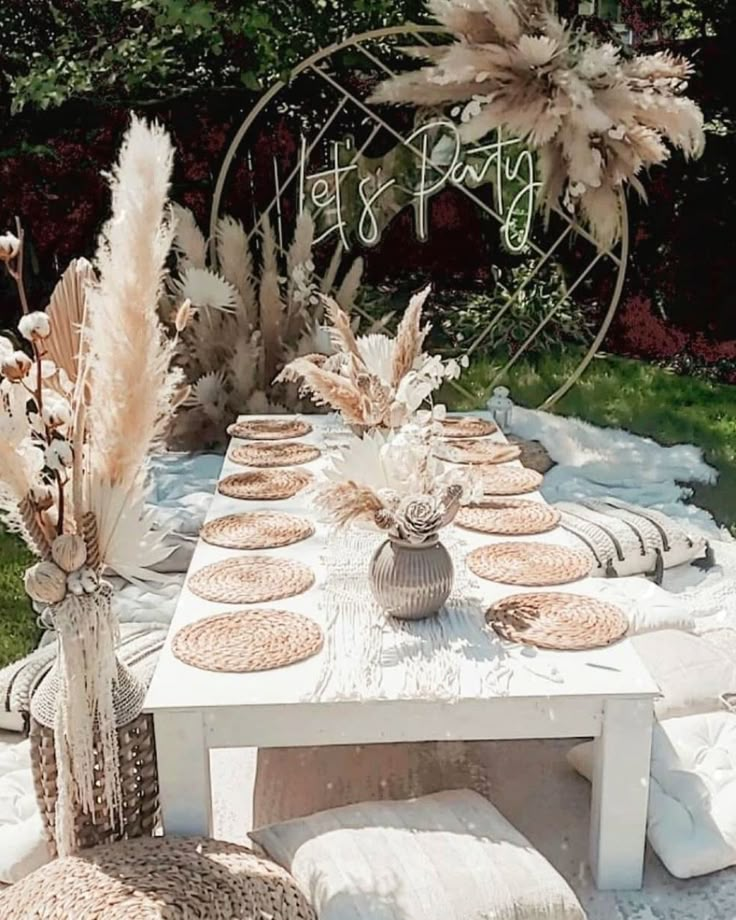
[[411, 581]]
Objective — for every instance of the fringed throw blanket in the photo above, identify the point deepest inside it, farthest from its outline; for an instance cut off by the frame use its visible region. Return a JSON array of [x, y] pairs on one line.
[[370, 656]]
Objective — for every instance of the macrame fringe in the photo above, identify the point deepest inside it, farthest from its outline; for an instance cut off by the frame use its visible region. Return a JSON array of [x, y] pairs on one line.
[[83, 711]]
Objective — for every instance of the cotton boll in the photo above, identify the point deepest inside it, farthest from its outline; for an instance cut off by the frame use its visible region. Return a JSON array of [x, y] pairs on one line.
[[35, 326], [9, 247], [58, 455], [16, 366], [56, 412]]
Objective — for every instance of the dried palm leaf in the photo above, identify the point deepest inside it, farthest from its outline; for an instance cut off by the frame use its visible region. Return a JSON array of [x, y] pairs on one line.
[[236, 265], [66, 314]]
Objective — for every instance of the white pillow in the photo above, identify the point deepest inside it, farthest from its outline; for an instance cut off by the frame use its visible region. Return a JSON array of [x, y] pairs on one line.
[[691, 672], [22, 844], [445, 855], [691, 824]]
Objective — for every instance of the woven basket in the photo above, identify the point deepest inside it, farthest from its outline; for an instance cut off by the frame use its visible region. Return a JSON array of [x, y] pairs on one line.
[[137, 751]]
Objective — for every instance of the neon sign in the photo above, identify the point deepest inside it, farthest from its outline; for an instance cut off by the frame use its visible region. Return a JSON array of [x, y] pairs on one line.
[[354, 197]]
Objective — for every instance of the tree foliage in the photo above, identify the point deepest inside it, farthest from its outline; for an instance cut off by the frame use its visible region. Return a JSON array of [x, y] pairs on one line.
[[52, 51]]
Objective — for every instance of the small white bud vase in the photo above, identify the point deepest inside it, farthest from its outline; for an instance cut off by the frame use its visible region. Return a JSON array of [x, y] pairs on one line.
[[500, 406], [411, 581]]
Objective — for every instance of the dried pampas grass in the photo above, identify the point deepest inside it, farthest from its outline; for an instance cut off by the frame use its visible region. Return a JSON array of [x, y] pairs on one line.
[[345, 502], [597, 118]]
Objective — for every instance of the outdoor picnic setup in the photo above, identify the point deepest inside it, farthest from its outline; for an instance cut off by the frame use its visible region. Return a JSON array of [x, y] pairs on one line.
[[336, 611]]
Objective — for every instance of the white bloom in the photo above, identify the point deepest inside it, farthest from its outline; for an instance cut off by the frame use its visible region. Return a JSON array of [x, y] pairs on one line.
[[6, 347], [206, 290], [42, 495], [34, 326], [16, 366], [58, 455], [413, 389], [9, 246], [56, 412]]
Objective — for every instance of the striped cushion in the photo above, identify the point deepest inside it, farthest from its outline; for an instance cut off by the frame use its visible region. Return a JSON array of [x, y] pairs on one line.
[[139, 646]]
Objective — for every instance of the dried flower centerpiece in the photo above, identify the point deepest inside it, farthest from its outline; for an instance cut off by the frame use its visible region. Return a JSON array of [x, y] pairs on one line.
[[85, 391], [249, 318], [396, 482], [373, 381], [596, 117]]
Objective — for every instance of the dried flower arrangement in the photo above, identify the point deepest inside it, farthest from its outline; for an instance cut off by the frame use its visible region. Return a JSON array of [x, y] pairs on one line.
[[595, 117], [80, 407], [247, 320], [395, 481], [373, 381]]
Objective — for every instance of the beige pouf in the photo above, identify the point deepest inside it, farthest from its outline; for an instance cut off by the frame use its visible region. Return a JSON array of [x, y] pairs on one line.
[[164, 878]]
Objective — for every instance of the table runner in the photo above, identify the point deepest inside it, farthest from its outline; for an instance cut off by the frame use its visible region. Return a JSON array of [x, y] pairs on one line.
[[442, 657]]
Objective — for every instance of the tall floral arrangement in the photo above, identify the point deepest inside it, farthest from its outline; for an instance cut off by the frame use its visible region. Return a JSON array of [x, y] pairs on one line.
[[81, 404], [596, 118], [252, 313], [373, 381]]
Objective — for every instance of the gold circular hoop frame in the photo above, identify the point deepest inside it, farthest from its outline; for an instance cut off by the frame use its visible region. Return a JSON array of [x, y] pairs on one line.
[[618, 256]]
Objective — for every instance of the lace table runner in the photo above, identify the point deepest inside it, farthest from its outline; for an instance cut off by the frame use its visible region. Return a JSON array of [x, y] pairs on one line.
[[370, 656]]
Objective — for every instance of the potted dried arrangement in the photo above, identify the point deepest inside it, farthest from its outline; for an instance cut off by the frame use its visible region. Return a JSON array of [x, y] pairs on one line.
[[84, 393], [596, 116], [374, 381], [250, 317], [395, 482]]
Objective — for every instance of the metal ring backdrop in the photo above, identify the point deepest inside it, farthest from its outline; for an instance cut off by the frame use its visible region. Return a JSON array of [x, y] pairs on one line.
[[369, 46]]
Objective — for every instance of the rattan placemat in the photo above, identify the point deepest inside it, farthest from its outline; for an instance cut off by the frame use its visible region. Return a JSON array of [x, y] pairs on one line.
[[529, 564], [274, 454], [256, 530], [264, 484], [269, 429], [508, 517], [250, 580], [469, 426], [557, 621], [472, 450], [249, 640], [507, 480]]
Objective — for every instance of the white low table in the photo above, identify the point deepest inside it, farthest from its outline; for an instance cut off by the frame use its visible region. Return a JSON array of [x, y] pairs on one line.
[[604, 693]]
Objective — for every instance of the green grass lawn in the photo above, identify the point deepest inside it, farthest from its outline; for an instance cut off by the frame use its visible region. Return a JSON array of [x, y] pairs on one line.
[[18, 630], [642, 398], [614, 392]]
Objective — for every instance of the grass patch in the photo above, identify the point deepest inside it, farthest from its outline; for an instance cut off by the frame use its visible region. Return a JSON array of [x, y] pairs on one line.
[[18, 630], [642, 398]]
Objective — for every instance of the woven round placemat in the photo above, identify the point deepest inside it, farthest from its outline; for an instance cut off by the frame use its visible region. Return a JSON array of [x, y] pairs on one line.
[[469, 426], [529, 564], [251, 580], [274, 454], [508, 517], [472, 450], [249, 640], [507, 480], [557, 621], [269, 429], [267, 485], [256, 530]]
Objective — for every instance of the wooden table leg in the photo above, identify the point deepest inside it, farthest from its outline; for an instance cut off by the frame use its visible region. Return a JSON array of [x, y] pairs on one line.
[[183, 772], [620, 794]]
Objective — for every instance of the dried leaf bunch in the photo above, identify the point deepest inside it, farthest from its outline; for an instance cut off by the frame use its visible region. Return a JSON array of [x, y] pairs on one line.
[[86, 389], [395, 481], [596, 118], [373, 381], [250, 314]]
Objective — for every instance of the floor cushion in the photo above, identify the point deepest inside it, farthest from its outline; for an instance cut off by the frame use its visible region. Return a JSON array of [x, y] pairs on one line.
[[691, 672], [139, 646], [451, 854], [22, 846], [159, 878], [691, 823]]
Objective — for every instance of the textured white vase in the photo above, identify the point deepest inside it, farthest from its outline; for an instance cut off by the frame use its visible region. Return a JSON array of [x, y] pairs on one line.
[[411, 581]]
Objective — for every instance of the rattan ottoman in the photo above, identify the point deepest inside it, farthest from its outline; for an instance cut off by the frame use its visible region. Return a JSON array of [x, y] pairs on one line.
[[159, 878]]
